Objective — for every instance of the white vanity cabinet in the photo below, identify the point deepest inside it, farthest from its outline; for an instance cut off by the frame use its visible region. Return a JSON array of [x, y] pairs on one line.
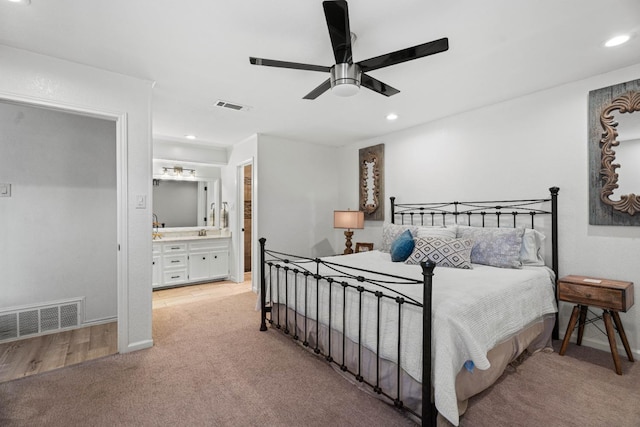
[[209, 259], [191, 261], [174, 263], [156, 275]]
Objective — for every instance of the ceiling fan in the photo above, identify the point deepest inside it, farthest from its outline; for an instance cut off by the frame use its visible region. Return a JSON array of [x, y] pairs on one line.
[[347, 76]]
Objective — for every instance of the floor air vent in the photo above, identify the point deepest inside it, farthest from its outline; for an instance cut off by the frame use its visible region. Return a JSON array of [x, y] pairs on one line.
[[232, 106], [36, 320]]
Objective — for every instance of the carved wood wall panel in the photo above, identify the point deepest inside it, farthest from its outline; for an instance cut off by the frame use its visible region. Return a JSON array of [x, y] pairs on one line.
[[371, 182], [604, 105]]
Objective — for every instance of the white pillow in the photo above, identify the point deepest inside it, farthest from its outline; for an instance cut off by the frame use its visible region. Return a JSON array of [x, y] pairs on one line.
[[442, 232], [531, 250]]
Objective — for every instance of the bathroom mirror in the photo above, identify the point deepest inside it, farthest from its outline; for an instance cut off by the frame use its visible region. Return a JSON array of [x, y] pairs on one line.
[[627, 154], [614, 155], [185, 203]]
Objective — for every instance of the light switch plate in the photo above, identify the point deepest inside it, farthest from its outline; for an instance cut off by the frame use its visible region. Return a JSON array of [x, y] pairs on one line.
[[141, 201], [5, 190]]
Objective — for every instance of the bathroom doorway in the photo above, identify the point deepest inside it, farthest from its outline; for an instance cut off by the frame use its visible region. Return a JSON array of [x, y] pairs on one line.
[[248, 235]]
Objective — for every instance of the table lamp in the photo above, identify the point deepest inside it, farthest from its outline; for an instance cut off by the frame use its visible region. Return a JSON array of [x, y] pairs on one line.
[[349, 220]]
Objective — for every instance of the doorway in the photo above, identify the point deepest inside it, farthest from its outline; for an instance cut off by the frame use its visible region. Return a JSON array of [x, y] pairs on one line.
[[62, 168], [248, 179], [246, 225]]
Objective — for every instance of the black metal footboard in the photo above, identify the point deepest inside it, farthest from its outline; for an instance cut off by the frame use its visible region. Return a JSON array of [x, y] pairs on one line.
[[291, 290]]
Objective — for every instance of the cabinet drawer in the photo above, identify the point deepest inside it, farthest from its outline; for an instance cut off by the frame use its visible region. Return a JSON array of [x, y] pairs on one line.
[[174, 261], [213, 244], [157, 248], [169, 248], [174, 277]]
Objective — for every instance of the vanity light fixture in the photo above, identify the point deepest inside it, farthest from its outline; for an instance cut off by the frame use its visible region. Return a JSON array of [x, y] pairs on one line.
[[392, 116], [617, 40], [179, 171]]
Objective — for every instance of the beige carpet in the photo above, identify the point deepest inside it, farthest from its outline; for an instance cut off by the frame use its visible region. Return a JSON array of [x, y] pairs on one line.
[[577, 389], [211, 366]]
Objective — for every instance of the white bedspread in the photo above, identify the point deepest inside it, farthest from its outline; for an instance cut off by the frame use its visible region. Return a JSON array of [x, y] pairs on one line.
[[473, 310]]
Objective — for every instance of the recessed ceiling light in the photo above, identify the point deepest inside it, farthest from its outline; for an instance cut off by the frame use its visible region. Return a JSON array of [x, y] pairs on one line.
[[617, 40], [190, 136], [392, 116]]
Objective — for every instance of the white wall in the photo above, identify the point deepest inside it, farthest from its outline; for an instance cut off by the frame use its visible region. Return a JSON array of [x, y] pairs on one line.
[[191, 153], [298, 193], [58, 228], [43, 80], [514, 149]]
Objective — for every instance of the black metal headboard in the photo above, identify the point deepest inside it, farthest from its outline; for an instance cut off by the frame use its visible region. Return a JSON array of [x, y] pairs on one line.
[[494, 213]]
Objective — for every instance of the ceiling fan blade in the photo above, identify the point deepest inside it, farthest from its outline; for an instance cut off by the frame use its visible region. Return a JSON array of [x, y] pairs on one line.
[[377, 86], [285, 64], [337, 15], [324, 86], [404, 55]]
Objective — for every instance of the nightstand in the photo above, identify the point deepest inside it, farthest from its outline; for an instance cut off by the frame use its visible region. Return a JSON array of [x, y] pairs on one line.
[[612, 296]]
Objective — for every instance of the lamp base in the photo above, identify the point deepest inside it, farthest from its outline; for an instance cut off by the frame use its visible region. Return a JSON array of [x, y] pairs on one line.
[[347, 250]]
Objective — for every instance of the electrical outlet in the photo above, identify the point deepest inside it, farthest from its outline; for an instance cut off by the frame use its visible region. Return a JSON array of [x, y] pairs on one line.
[[5, 190]]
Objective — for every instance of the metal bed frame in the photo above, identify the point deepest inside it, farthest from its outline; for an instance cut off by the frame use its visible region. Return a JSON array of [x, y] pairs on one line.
[[306, 275]]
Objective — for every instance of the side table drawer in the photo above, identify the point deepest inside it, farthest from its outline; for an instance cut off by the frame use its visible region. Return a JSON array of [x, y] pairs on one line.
[[603, 293], [588, 295]]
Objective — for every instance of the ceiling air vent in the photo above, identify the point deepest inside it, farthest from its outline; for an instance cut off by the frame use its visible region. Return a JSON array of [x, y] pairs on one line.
[[232, 106]]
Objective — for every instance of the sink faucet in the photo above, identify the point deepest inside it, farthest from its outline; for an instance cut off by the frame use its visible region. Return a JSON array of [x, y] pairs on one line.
[[155, 225]]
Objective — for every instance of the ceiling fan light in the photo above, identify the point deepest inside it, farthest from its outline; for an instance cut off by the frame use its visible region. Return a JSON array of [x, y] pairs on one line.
[[345, 89], [345, 79]]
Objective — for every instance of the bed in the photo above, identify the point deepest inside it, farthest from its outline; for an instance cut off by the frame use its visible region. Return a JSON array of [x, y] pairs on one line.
[[460, 294]]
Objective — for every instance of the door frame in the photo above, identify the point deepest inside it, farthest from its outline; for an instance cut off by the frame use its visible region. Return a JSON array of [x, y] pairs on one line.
[[121, 249]]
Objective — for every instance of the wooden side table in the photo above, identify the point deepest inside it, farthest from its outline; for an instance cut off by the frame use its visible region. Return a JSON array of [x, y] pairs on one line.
[[612, 296]]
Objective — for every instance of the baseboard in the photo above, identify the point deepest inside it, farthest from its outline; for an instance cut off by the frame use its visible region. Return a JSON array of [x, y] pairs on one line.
[[140, 345], [604, 346], [99, 321]]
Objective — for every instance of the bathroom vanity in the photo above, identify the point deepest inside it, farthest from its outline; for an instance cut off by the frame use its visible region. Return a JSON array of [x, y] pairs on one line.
[[185, 256]]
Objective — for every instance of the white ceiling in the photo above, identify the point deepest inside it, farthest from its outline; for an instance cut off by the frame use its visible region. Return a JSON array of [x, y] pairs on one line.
[[197, 51]]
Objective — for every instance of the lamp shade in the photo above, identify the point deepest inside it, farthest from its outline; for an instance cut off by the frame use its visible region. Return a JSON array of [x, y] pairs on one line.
[[348, 219]]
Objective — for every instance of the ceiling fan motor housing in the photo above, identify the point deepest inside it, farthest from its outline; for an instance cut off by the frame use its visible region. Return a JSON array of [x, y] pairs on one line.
[[345, 79]]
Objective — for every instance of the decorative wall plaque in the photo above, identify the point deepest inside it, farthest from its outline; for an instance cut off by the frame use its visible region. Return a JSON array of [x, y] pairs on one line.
[[614, 123], [371, 171]]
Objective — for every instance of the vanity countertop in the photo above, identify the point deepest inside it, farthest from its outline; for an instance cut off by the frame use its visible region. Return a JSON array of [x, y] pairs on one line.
[[176, 238], [182, 234]]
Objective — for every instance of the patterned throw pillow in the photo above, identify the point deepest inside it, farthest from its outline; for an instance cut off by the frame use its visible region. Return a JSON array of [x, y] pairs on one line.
[[390, 232], [498, 247], [402, 247], [455, 253]]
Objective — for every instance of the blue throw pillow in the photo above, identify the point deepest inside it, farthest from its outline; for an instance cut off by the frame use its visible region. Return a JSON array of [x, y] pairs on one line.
[[402, 247]]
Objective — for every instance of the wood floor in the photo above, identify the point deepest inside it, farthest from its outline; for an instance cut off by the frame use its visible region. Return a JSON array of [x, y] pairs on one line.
[[47, 352], [44, 353]]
